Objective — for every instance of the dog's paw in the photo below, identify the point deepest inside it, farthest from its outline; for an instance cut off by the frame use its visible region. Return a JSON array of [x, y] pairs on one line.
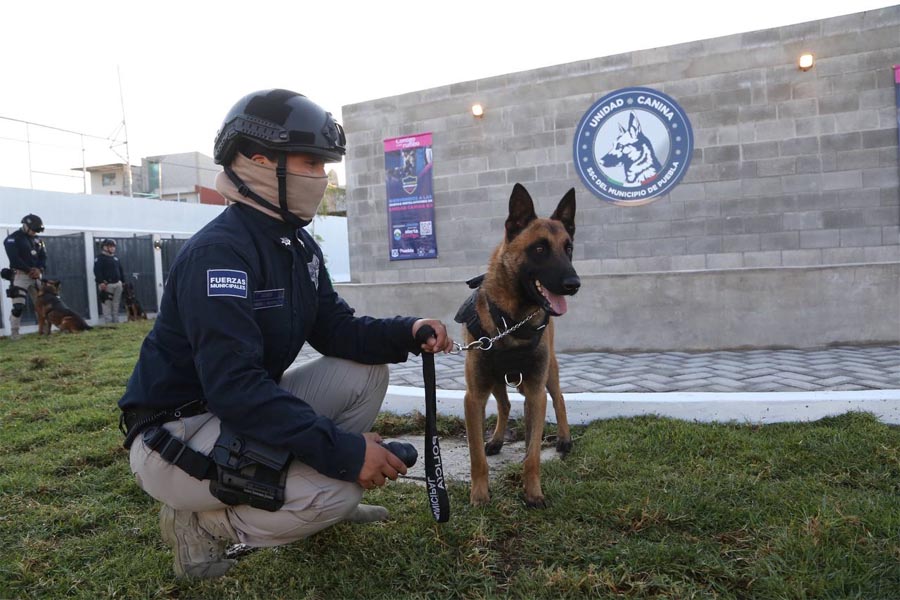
[[479, 497], [492, 447], [563, 446], [535, 501]]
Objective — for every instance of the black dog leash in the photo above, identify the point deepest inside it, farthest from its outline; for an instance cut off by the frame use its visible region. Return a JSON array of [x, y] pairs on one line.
[[438, 499]]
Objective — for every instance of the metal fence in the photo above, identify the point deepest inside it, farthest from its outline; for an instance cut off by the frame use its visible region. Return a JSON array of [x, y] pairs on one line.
[[65, 262], [170, 248], [68, 261]]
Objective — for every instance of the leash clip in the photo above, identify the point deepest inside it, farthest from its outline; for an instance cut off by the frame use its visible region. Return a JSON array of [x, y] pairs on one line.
[[483, 343]]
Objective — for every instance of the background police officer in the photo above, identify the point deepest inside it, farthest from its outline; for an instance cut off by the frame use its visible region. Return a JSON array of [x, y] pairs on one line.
[[27, 260], [242, 297], [109, 277]]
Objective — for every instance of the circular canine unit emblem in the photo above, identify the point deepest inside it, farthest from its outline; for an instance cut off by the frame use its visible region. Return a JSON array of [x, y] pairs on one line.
[[633, 146]]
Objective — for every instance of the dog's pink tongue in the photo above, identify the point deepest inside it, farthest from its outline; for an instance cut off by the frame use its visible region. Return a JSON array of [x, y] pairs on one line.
[[557, 302]]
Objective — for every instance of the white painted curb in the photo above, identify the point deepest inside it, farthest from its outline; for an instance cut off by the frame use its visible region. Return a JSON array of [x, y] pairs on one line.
[[708, 407]]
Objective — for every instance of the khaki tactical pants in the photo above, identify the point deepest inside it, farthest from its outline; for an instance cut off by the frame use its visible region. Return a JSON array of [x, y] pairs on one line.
[[111, 306], [348, 393], [22, 280]]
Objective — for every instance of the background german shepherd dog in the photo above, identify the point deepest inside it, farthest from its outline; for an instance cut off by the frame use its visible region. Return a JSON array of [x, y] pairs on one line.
[[132, 305], [528, 277], [53, 311]]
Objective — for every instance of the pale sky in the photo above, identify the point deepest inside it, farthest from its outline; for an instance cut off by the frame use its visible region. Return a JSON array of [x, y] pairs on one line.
[[184, 64]]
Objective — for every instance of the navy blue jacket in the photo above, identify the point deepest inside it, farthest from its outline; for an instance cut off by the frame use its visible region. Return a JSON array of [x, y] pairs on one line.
[[25, 252], [242, 297], [108, 269]]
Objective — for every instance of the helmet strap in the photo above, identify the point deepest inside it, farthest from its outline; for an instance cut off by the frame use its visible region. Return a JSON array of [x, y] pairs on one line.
[[287, 216], [281, 174]]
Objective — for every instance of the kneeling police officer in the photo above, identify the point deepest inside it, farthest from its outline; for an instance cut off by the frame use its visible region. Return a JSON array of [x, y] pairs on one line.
[[239, 444]]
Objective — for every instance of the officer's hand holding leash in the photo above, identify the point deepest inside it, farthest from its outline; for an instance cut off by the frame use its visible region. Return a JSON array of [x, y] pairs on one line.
[[437, 341]]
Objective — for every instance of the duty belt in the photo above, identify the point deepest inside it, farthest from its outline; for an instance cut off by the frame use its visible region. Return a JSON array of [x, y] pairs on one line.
[[133, 421], [169, 447]]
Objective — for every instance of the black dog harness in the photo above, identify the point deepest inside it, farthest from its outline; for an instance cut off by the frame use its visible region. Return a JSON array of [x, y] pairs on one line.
[[509, 361]]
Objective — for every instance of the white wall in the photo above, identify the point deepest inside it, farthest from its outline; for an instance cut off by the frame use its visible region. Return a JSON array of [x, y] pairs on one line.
[[331, 234], [68, 213], [100, 215]]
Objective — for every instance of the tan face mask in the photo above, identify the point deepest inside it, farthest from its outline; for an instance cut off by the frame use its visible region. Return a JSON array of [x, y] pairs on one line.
[[304, 192]]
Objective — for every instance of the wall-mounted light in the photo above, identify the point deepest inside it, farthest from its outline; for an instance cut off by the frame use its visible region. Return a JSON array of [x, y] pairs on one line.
[[806, 61], [477, 110]]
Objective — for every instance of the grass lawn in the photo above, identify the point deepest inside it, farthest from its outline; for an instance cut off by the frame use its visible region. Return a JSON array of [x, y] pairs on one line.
[[642, 508]]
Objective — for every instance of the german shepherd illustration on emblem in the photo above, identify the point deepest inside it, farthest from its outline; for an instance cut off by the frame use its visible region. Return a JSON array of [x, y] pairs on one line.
[[633, 150]]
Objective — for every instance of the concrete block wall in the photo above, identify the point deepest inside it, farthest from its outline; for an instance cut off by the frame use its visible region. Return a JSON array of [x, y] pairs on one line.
[[790, 168], [796, 307]]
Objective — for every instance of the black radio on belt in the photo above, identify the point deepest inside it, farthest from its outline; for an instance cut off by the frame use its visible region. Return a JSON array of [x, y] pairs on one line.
[[249, 472]]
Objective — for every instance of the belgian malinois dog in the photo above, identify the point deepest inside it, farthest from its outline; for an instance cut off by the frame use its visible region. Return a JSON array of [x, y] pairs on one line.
[[53, 311], [529, 275]]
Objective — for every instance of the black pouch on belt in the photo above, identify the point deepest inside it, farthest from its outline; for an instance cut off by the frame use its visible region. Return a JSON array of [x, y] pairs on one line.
[[249, 471]]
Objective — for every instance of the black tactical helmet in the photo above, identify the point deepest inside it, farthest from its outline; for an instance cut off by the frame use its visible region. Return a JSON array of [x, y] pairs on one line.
[[282, 121], [33, 222], [107, 242]]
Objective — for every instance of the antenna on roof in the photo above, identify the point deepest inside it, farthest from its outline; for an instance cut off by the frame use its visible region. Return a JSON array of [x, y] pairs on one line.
[[124, 129]]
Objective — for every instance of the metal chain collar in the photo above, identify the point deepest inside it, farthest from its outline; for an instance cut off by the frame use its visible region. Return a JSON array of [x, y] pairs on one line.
[[486, 343]]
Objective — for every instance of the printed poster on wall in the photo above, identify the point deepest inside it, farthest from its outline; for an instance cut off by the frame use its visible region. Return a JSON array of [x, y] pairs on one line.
[[407, 166]]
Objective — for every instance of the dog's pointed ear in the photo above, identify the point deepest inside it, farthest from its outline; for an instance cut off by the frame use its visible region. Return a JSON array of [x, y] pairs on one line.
[[565, 212], [521, 212], [634, 126]]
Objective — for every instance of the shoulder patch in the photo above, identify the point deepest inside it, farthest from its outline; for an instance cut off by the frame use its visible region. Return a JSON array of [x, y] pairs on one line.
[[226, 282]]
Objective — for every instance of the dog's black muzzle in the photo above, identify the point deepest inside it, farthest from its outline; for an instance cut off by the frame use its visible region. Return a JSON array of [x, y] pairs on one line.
[[571, 285]]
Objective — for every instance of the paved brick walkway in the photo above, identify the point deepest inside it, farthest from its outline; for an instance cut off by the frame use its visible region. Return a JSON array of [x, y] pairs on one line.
[[840, 368]]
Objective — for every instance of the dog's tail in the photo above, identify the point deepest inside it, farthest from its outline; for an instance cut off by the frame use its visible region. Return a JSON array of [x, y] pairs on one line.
[[75, 321], [83, 325]]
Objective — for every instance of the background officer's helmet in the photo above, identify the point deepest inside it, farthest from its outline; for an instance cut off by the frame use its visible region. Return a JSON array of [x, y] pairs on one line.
[[33, 222], [282, 121]]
